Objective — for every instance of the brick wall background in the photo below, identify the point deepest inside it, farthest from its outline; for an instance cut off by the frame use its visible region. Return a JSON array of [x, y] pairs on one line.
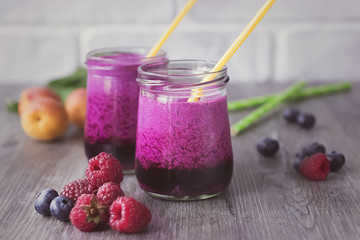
[[298, 39]]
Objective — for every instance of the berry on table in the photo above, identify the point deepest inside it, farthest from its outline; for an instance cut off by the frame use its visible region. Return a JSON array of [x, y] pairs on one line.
[[337, 160], [43, 200], [306, 120], [109, 192], [311, 149], [104, 168], [88, 213], [291, 114], [268, 147], [76, 188], [315, 167], [60, 208], [297, 163], [128, 215]]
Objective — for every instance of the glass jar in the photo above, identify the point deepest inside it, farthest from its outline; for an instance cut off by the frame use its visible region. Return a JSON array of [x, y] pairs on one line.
[[112, 102], [183, 146]]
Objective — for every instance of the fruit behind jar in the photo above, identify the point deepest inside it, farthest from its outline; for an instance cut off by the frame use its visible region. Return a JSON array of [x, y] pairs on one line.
[[75, 106], [33, 93], [43, 115], [44, 119]]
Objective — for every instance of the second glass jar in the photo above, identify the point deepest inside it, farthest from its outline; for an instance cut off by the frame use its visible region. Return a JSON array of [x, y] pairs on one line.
[[112, 102]]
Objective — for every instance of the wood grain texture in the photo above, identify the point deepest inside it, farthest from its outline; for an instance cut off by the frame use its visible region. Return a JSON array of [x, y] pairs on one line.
[[266, 199]]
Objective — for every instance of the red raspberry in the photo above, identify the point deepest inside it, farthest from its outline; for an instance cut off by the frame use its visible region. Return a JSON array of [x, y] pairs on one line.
[[104, 168], [88, 213], [316, 167], [76, 188], [109, 192], [128, 215]]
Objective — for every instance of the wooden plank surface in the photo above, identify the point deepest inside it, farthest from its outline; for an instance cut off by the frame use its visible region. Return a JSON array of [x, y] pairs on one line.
[[266, 199]]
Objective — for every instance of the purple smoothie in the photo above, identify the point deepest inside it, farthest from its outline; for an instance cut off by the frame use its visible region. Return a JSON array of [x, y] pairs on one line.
[[112, 104], [183, 148]]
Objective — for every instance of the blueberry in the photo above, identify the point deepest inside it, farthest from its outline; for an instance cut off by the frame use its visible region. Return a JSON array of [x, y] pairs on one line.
[[43, 200], [268, 147], [297, 163], [306, 120], [291, 114], [337, 160], [60, 208]]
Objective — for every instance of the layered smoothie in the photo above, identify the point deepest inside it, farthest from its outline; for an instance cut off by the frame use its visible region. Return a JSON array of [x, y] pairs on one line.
[[183, 148], [112, 104]]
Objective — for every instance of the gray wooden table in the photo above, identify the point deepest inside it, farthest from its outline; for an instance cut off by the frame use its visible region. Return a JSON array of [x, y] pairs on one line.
[[266, 199]]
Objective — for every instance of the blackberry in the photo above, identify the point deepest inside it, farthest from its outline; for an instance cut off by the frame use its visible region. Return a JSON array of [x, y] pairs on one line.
[[311, 149]]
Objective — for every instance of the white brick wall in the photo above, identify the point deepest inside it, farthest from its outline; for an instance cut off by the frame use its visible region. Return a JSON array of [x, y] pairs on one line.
[[282, 11], [85, 12], [319, 52], [315, 40], [36, 53]]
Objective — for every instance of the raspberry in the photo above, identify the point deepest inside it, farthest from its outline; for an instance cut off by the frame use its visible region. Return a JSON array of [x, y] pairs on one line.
[[128, 215], [76, 188], [307, 151], [104, 168], [109, 192], [88, 213], [316, 167]]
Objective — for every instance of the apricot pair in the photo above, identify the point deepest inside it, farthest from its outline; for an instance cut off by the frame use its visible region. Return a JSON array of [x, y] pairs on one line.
[[43, 115]]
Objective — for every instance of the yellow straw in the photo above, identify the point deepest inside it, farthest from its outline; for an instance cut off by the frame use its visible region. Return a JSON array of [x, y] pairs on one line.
[[171, 28], [232, 49]]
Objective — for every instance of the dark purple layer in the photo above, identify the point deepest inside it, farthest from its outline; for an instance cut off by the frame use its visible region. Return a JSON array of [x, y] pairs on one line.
[[180, 183], [124, 152]]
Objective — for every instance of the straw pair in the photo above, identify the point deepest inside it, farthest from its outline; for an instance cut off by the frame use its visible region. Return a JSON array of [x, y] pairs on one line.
[[196, 93], [227, 55]]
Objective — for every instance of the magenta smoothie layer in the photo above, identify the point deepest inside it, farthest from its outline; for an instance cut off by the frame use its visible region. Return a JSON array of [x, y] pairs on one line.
[[183, 135], [112, 98]]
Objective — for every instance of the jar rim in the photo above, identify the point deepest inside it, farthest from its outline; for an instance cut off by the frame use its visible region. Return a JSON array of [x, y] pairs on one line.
[[142, 70], [98, 54], [156, 78]]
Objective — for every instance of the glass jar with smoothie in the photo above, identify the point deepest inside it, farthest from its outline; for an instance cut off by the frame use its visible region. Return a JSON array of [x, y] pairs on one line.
[[183, 145], [112, 102]]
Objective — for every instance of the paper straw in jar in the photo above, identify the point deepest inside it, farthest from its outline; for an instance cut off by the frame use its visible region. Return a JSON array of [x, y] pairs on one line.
[[234, 47], [154, 50]]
